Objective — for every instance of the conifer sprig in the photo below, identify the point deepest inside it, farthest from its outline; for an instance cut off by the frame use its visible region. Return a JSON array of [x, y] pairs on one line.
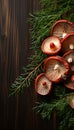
[[65, 115], [42, 21], [24, 81]]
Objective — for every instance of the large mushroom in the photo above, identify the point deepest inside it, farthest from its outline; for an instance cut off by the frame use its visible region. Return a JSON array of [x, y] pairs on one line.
[[56, 68], [51, 45], [42, 85], [61, 28], [69, 57], [69, 83], [67, 43]]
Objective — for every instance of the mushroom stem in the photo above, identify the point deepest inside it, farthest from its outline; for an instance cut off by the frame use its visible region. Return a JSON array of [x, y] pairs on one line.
[[52, 46], [44, 83], [56, 67], [64, 34], [70, 60], [71, 46]]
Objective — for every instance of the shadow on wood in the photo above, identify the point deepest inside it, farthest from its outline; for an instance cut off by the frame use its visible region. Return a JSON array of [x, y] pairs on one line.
[[16, 112]]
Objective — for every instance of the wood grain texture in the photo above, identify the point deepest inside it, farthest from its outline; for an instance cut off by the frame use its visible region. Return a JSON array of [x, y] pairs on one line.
[[16, 112]]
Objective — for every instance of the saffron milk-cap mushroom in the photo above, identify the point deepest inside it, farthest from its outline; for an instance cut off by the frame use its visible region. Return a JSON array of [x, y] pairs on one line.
[[42, 84], [69, 57], [67, 43], [51, 45], [61, 28], [56, 68]]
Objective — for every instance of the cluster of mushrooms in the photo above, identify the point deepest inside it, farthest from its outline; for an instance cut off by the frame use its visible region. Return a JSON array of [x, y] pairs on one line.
[[59, 64]]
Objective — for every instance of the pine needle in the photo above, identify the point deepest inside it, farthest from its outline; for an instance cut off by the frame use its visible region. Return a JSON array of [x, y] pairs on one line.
[[41, 22]]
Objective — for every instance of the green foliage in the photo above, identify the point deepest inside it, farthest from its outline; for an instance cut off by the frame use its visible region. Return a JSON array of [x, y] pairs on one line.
[[58, 104], [41, 22], [24, 80], [65, 113], [45, 108]]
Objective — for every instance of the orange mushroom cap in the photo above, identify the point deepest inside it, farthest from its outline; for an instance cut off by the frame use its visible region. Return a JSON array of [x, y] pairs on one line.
[[51, 45], [56, 68], [42, 85], [67, 43], [69, 57], [61, 28]]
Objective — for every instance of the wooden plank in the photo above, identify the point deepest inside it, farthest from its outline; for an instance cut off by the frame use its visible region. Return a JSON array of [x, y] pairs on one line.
[[16, 112]]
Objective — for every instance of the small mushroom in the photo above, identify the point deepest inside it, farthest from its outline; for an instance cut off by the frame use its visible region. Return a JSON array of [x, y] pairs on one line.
[[69, 57], [56, 68], [69, 83], [61, 28], [67, 43], [71, 101], [51, 45], [42, 85]]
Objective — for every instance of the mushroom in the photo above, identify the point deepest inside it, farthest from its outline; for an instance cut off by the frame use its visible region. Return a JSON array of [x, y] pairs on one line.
[[56, 68], [67, 43], [61, 28], [69, 83], [51, 45], [42, 85], [71, 101], [69, 57]]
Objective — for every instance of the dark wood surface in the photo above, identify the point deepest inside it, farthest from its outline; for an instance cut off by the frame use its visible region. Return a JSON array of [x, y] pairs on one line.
[[16, 112]]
